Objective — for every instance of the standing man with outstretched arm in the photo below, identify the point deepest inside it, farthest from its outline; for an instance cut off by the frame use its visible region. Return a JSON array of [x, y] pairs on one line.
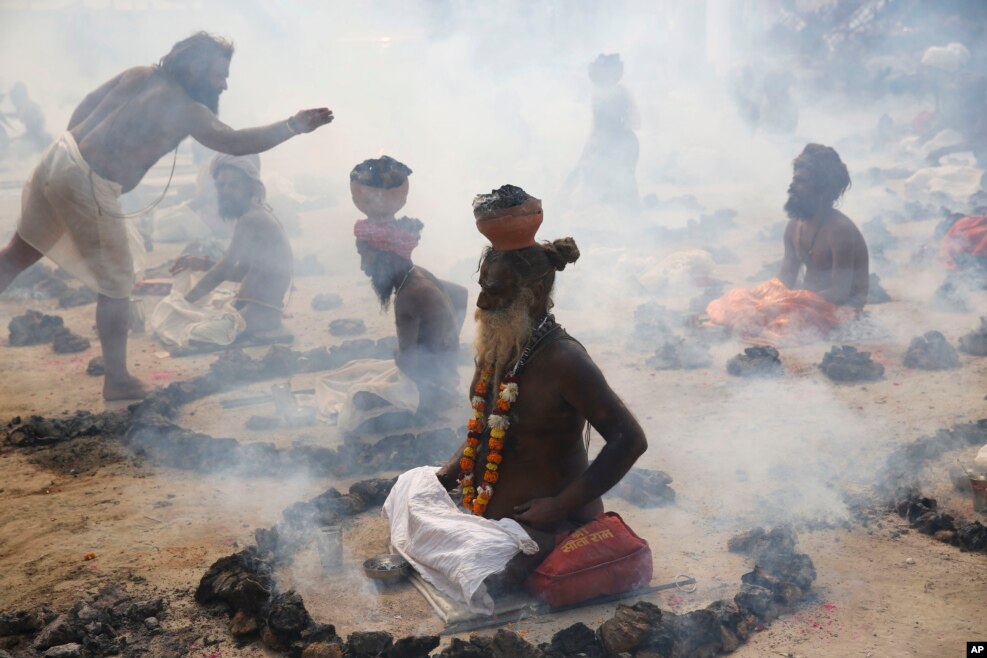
[[70, 205]]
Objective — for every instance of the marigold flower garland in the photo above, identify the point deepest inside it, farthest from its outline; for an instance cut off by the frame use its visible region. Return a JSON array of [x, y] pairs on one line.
[[476, 498]]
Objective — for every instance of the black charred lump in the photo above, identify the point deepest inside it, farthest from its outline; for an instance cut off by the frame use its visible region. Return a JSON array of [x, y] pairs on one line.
[[347, 327], [38, 430], [368, 644], [846, 364], [972, 536], [66, 342], [24, 621], [462, 649], [413, 646], [384, 172], [931, 352], [759, 361], [100, 624], [922, 514], [96, 368], [374, 491], [630, 627], [975, 342], [680, 354], [781, 576], [33, 328], [243, 581], [508, 644], [576, 640], [326, 301], [284, 619], [506, 196], [646, 488]]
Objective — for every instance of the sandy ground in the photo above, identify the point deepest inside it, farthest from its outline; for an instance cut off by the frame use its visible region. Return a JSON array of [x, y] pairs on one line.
[[741, 453]]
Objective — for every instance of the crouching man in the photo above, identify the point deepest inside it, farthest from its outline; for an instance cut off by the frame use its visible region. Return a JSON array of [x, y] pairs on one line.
[[378, 395], [259, 258], [523, 474]]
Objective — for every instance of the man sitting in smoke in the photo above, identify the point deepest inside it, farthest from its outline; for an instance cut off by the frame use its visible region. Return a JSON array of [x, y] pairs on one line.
[[606, 172], [824, 250], [71, 203], [428, 313], [824, 276], [259, 258], [524, 460]]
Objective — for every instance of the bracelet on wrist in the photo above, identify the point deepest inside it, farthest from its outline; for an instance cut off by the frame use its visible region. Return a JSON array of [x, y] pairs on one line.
[[291, 127]]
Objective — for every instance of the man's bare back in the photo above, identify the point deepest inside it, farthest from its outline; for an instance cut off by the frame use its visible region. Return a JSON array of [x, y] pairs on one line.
[[126, 125], [835, 255], [428, 324]]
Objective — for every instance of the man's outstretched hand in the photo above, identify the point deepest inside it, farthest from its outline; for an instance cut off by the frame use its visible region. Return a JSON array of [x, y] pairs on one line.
[[193, 263], [308, 120]]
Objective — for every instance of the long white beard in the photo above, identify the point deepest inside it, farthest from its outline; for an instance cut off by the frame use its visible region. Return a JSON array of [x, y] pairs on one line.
[[501, 335]]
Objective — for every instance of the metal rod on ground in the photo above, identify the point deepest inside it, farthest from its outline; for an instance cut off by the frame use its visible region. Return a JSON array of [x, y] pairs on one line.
[[260, 398], [542, 609]]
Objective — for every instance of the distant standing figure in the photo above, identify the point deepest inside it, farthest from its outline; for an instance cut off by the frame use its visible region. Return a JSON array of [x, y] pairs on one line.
[[607, 170]]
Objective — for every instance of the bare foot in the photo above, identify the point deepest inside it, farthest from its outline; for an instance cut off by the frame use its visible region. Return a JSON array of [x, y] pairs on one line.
[[127, 388]]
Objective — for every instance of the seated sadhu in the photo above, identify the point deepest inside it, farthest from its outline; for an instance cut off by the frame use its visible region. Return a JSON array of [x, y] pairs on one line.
[[824, 250], [421, 381], [523, 474], [259, 258]]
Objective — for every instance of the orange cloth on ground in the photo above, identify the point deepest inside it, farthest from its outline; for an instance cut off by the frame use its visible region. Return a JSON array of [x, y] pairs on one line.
[[966, 236], [772, 314]]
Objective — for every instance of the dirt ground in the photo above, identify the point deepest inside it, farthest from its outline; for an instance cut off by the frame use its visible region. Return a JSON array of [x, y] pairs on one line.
[[740, 452]]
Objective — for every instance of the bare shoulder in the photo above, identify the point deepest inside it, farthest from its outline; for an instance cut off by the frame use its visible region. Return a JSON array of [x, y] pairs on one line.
[[139, 72], [259, 219], [420, 292], [566, 358], [844, 227]]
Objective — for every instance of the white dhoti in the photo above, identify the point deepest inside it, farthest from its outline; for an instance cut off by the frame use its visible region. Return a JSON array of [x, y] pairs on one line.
[[334, 391], [213, 320], [451, 549], [73, 216]]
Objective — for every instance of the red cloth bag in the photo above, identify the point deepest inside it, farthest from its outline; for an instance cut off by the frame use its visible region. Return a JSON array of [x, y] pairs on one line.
[[601, 558]]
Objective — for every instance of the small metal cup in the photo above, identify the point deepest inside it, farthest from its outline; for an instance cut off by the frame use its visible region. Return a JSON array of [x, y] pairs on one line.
[[329, 541], [978, 483], [284, 400]]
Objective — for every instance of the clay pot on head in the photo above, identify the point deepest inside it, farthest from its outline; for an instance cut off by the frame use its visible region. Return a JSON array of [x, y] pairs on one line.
[[510, 232], [378, 201]]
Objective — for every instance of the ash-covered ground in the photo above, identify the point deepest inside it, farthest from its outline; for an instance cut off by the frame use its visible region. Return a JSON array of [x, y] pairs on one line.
[[81, 516]]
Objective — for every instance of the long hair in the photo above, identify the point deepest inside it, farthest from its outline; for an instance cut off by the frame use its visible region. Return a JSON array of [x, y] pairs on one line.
[[537, 263], [824, 164], [197, 48]]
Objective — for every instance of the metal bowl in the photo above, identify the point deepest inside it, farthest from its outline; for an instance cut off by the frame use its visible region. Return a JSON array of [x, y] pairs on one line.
[[387, 568]]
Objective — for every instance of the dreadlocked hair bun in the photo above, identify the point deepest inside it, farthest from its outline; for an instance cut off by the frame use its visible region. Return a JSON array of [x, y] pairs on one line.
[[561, 252]]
